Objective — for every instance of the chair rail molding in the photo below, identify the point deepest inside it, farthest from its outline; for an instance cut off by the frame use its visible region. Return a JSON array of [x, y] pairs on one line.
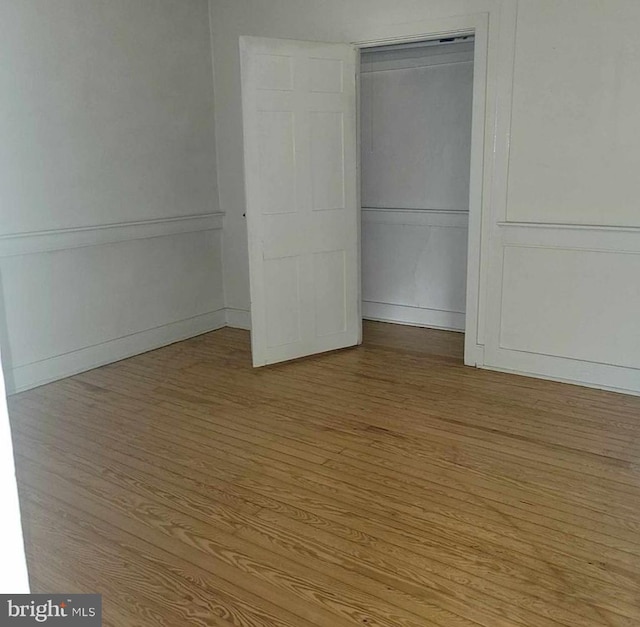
[[32, 242]]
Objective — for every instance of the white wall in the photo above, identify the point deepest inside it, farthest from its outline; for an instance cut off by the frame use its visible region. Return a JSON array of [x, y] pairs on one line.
[[106, 119], [561, 161], [331, 21], [414, 267], [13, 565], [574, 156], [563, 296], [415, 121], [415, 157]]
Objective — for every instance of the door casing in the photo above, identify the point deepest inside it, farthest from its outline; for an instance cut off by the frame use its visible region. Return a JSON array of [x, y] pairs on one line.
[[478, 26], [479, 222]]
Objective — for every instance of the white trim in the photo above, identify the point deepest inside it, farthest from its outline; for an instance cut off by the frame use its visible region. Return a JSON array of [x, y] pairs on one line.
[[482, 161], [499, 106], [475, 357], [63, 239], [238, 318], [482, 155], [570, 226], [565, 370], [604, 240], [413, 316], [58, 367], [423, 30], [416, 217], [610, 240], [397, 60], [359, 186]]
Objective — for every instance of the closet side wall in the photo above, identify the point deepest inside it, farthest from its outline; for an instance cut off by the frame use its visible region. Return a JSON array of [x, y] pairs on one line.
[[415, 141]]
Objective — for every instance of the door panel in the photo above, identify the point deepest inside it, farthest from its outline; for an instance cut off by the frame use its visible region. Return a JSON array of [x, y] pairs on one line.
[[299, 112], [282, 301], [331, 298], [327, 160], [277, 161]]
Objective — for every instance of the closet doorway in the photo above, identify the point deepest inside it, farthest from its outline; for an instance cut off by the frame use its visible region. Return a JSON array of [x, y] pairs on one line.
[[302, 180], [416, 106]]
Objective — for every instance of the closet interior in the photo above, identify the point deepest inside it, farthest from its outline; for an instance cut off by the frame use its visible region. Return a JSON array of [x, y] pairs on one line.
[[415, 137]]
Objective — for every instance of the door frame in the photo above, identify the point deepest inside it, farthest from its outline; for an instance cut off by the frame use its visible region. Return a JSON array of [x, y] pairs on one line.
[[478, 26]]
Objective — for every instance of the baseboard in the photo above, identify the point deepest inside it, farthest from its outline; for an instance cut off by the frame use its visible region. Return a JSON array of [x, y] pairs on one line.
[[449, 320], [238, 318], [413, 316], [585, 383], [39, 373], [589, 374]]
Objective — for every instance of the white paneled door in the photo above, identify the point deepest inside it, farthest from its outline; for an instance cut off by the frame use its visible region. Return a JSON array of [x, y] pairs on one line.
[[299, 112]]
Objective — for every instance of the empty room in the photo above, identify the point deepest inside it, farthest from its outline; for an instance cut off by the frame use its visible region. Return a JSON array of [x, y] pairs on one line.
[[320, 313]]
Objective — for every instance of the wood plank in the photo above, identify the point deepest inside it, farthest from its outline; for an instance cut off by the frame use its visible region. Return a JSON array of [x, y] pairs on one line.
[[386, 485]]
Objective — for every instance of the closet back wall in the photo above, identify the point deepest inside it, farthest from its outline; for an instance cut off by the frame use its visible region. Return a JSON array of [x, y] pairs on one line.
[[415, 141]]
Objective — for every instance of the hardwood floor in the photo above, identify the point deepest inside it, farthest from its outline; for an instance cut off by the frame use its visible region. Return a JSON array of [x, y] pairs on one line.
[[386, 485]]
